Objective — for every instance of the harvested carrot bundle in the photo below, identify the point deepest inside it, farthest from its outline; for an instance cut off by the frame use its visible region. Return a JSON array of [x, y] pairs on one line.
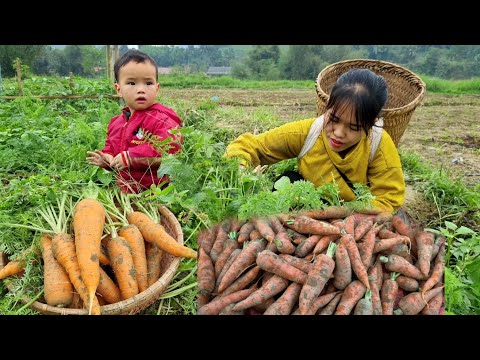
[[58, 290]]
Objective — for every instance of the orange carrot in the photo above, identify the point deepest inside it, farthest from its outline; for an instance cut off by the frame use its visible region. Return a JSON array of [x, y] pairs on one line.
[[408, 284], [218, 304], [88, 223], [243, 260], [330, 212], [385, 244], [242, 281], [229, 246], [202, 300], [58, 290], [286, 302], [296, 237], [405, 230], [63, 249], [355, 260], [282, 239], [227, 265], [275, 285], [271, 262], [330, 308], [364, 306], [386, 234], [368, 247], [414, 302], [16, 266], [120, 254], [137, 244], [362, 228], [206, 238], [299, 263], [320, 302], [323, 243], [388, 294], [244, 233], [205, 273], [103, 259], [349, 225], [255, 235], [264, 228], [376, 299], [306, 225], [307, 245], [154, 259], [156, 233], [434, 304], [438, 269], [424, 250], [317, 277], [218, 245], [342, 274], [107, 289], [398, 264], [350, 296]]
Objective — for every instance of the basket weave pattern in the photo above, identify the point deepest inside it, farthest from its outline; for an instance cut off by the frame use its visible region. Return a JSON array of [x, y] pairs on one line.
[[137, 303], [405, 91]]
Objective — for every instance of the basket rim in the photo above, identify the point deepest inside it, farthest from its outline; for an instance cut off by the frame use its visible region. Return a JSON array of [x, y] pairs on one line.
[[156, 289], [403, 109]]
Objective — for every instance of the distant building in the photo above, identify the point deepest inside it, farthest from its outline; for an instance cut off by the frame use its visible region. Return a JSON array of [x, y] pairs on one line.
[[164, 70], [219, 70]]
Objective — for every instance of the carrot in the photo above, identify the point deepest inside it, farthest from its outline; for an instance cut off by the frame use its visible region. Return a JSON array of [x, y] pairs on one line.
[[376, 300], [385, 244], [350, 296], [386, 234], [435, 303], [306, 225], [242, 281], [320, 302], [323, 243], [286, 302], [299, 263], [120, 254], [58, 290], [218, 304], [218, 245], [227, 265], [202, 300], [296, 237], [271, 262], [206, 238], [88, 223], [424, 250], [436, 246], [16, 266], [264, 228], [438, 269], [108, 290], [275, 285], [103, 258], [330, 212], [282, 239], [329, 309], [349, 225], [229, 246], [156, 233], [400, 250], [398, 264], [307, 245], [355, 260], [317, 277], [342, 274], [205, 273], [260, 308], [154, 259], [236, 224], [137, 244], [403, 229], [388, 294], [414, 302], [63, 249], [378, 265], [368, 247], [407, 284], [255, 235], [228, 310], [244, 233], [364, 305], [243, 260], [362, 228]]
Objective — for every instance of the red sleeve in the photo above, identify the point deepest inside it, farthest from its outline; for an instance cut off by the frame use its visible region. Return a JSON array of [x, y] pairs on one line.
[[108, 148]]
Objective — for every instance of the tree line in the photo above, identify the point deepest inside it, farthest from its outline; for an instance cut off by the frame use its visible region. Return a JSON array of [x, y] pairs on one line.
[[256, 62]]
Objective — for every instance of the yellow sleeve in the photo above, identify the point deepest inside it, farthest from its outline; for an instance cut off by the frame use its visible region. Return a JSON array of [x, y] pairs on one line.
[[270, 147]]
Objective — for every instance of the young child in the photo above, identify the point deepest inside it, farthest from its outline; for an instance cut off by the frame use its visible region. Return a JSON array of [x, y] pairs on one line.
[[341, 152], [127, 150]]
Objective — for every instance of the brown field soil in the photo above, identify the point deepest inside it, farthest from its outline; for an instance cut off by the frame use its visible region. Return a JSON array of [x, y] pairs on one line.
[[444, 130]]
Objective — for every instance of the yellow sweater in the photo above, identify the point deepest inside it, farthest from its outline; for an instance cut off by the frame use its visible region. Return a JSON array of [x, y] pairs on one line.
[[384, 173]]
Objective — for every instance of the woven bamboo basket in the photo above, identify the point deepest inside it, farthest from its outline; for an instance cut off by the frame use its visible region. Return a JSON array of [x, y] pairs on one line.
[[133, 305], [405, 91]]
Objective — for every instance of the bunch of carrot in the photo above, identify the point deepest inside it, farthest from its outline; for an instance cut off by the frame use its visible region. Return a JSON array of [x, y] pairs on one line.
[[94, 266], [330, 261]]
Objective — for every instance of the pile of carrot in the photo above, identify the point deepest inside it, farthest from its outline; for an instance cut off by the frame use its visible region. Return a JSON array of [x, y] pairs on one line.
[[332, 261], [88, 267]]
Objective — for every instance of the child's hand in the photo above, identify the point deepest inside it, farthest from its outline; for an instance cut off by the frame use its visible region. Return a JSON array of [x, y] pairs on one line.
[[99, 158], [117, 162]]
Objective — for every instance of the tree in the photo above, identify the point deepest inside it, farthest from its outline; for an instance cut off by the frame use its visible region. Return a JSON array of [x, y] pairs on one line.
[[26, 53], [262, 61]]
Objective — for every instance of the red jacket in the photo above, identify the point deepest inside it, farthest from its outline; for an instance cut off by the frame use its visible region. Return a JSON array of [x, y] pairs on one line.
[[126, 135]]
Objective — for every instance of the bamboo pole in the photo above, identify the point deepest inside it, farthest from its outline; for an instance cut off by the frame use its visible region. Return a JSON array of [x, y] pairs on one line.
[[72, 84], [19, 77]]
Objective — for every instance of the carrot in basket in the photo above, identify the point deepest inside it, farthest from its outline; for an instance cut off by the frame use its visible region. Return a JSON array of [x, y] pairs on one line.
[[58, 290], [306, 225], [63, 248], [388, 294], [107, 289], [156, 233], [350, 297], [135, 239], [286, 302], [271, 262], [154, 260], [120, 254], [205, 273], [342, 274], [88, 223], [398, 264], [16, 266], [355, 260], [413, 303], [317, 277], [103, 258], [331, 212], [275, 285], [243, 260], [437, 272], [424, 250]]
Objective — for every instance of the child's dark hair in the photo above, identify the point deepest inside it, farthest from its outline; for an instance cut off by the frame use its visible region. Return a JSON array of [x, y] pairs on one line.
[[363, 89], [133, 55]]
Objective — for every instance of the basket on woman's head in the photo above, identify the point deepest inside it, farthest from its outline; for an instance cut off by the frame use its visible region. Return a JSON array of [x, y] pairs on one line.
[[406, 90]]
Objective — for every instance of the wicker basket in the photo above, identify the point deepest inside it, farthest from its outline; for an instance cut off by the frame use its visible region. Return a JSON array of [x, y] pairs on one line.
[[405, 91], [133, 305]]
